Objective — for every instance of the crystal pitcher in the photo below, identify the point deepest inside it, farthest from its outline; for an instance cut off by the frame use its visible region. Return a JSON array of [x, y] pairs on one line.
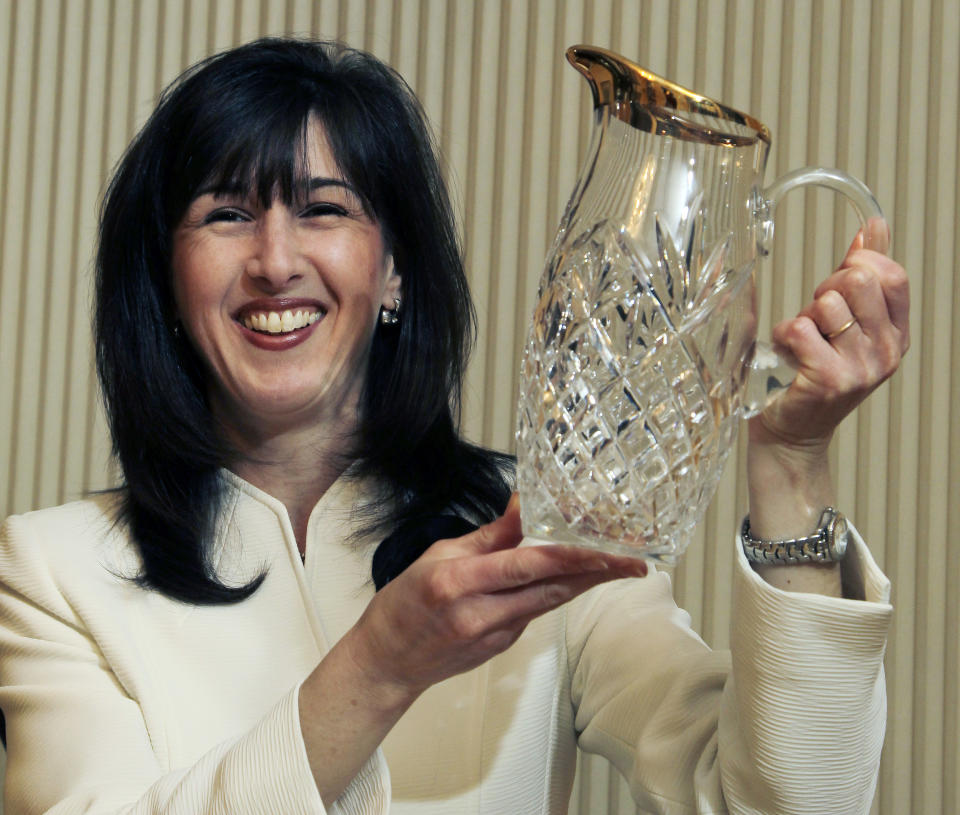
[[642, 355]]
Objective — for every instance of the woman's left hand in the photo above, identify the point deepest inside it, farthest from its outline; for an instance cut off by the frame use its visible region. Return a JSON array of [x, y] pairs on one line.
[[846, 342]]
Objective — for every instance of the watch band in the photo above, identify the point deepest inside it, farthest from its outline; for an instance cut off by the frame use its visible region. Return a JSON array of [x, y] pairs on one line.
[[827, 544]]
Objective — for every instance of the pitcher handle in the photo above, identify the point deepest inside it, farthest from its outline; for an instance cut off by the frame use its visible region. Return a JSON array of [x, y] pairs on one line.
[[772, 372]]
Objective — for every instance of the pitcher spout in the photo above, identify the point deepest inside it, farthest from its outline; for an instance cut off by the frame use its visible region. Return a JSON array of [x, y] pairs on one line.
[[605, 72], [653, 104], [614, 81]]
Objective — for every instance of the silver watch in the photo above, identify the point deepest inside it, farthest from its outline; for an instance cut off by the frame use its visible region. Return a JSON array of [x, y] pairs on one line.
[[827, 544]]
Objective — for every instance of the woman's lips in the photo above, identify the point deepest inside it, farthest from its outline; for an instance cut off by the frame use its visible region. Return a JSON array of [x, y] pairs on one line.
[[278, 324], [281, 341]]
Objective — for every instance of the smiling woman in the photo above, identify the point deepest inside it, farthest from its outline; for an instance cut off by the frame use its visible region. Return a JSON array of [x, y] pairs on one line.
[[252, 277], [280, 301], [310, 592], [265, 183]]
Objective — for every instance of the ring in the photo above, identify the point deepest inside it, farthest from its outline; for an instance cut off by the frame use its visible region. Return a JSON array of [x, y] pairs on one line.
[[840, 330]]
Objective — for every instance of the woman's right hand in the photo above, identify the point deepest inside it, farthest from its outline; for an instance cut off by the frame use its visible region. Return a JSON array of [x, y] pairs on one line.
[[467, 599], [462, 602]]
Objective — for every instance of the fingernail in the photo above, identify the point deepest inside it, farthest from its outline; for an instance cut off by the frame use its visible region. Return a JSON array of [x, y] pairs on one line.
[[597, 565], [639, 568]]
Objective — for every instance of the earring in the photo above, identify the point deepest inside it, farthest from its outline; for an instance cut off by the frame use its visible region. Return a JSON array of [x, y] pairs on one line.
[[176, 330], [390, 316]]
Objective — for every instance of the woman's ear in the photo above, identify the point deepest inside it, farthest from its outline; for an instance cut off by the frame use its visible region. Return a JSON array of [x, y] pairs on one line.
[[392, 288]]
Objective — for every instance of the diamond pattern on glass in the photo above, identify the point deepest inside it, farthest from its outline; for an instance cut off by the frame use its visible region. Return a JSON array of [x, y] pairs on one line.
[[626, 413]]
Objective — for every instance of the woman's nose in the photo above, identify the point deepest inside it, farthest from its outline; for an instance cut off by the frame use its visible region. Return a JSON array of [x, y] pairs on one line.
[[277, 260]]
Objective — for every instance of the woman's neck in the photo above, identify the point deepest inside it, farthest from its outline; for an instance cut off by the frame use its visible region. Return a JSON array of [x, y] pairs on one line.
[[296, 466]]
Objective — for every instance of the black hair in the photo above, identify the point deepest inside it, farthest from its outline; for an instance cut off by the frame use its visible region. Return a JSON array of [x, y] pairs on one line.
[[240, 119]]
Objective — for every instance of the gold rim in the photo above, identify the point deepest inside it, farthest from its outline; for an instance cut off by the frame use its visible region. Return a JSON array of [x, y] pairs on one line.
[[649, 102]]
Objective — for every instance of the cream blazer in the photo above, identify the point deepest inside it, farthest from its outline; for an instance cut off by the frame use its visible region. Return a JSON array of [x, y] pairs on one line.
[[121, 700]]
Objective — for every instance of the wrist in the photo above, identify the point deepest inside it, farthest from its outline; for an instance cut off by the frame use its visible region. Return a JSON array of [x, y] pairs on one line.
[[789, 484], [345, 713], [774, 448], [388, 694]]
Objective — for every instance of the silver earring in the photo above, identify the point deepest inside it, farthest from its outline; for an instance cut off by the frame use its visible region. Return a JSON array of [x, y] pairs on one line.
[[390, 316], [176, 330]]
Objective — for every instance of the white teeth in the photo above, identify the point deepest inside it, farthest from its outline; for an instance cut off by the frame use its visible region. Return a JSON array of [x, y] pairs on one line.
[[277, 322]]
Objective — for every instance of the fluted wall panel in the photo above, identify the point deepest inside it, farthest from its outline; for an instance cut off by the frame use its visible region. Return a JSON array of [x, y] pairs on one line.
[[868, 85]]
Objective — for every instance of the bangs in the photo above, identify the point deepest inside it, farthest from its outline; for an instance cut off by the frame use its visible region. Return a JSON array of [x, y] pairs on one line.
[[260, 150], [266, 166], [265, 159], [243, 124]]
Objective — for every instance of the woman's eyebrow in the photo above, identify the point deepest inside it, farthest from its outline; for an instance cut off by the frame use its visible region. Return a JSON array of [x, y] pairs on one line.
[[323, 181], [316, 183], [219, 190]]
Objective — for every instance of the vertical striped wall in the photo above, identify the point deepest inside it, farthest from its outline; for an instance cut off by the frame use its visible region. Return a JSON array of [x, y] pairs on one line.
[[868, 86]]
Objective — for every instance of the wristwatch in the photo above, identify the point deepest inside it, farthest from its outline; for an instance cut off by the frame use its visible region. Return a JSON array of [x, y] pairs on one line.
[[825, 545]]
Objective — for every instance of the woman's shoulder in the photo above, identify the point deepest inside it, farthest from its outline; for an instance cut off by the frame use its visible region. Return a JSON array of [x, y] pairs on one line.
[[90, 515], [65, 538]]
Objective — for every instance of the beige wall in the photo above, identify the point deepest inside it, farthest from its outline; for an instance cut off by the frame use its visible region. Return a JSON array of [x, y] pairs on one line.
[[868, 86]]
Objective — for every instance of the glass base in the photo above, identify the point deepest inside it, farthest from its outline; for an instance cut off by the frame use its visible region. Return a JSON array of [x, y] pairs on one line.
[[666, 551]]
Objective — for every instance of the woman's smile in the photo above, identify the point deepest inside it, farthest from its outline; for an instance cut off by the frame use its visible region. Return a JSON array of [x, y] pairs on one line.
[[275, 322], [303, 280], [279, 324]]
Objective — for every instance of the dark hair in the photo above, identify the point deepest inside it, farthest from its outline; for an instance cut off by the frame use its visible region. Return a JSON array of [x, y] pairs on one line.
[[240, 118]]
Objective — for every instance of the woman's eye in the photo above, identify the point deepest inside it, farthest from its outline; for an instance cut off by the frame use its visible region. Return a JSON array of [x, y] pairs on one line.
[[226, 216], [323, 208]]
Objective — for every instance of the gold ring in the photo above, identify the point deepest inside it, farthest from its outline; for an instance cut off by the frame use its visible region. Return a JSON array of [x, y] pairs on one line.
[[840, 330]]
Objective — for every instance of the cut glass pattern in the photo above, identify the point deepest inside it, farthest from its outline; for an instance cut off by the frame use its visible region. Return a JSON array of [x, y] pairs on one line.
[[631, 376]]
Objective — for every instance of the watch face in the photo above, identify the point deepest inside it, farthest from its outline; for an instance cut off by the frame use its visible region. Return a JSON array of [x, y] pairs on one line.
[[839, 536]]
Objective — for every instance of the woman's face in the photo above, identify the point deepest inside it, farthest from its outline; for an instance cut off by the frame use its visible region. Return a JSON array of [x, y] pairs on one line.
[[281, 302]]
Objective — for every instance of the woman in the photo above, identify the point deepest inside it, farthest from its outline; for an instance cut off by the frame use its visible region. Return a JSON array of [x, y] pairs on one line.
[[282, 324]]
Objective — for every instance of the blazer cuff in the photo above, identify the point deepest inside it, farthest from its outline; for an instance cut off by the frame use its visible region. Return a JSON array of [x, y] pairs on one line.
[[285, 780], [807, 690], [368, 793]]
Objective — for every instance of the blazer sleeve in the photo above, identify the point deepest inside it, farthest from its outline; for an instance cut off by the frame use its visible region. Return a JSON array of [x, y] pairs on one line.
[[78, 743], [791, 720]]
